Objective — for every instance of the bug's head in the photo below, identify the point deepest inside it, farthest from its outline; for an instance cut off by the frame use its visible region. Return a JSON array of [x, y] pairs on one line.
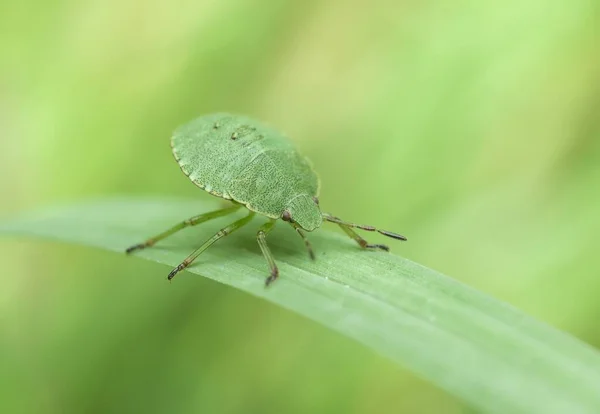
[[303, 210]]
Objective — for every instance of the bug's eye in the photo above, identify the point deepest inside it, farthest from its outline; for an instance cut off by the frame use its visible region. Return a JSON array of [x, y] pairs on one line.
[[286, 216]]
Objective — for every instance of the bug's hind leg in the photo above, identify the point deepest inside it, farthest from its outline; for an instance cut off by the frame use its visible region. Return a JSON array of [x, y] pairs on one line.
[[261, 237], [220, 234], [311, 253], [187, 223], [347, 227]]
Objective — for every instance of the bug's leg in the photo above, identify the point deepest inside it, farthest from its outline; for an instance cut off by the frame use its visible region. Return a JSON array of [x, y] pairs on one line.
[[220, 234], [261, 237], [311, 253], [362, 242], [187, 223], [347, 227]]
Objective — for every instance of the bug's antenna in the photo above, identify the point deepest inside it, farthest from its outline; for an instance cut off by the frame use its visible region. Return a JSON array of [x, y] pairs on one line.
[[346, 224]]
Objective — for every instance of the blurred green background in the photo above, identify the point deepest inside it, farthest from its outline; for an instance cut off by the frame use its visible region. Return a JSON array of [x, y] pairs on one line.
[[471, 127]]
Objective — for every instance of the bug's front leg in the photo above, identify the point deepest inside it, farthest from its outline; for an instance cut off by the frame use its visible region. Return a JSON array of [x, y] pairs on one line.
[[311, 252], [347, 227]]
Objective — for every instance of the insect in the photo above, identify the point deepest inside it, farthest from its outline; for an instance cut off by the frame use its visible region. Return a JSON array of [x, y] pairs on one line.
[[256, 167]]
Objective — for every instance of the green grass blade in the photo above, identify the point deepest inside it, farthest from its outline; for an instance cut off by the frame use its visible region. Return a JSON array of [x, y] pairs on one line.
[[475, 347]]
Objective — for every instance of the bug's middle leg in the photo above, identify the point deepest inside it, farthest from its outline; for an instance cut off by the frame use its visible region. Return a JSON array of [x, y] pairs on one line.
[[220, 234], [261, 237]]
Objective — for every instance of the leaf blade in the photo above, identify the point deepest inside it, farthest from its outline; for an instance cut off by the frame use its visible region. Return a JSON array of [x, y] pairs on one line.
[[481, 350]]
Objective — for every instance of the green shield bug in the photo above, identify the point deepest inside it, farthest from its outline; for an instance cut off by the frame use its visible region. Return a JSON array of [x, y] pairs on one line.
[[250, 164]]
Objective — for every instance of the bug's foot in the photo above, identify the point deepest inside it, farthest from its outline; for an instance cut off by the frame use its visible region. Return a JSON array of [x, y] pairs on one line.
[[135, 247], [378, 246], [175, 271], [272, 278]]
